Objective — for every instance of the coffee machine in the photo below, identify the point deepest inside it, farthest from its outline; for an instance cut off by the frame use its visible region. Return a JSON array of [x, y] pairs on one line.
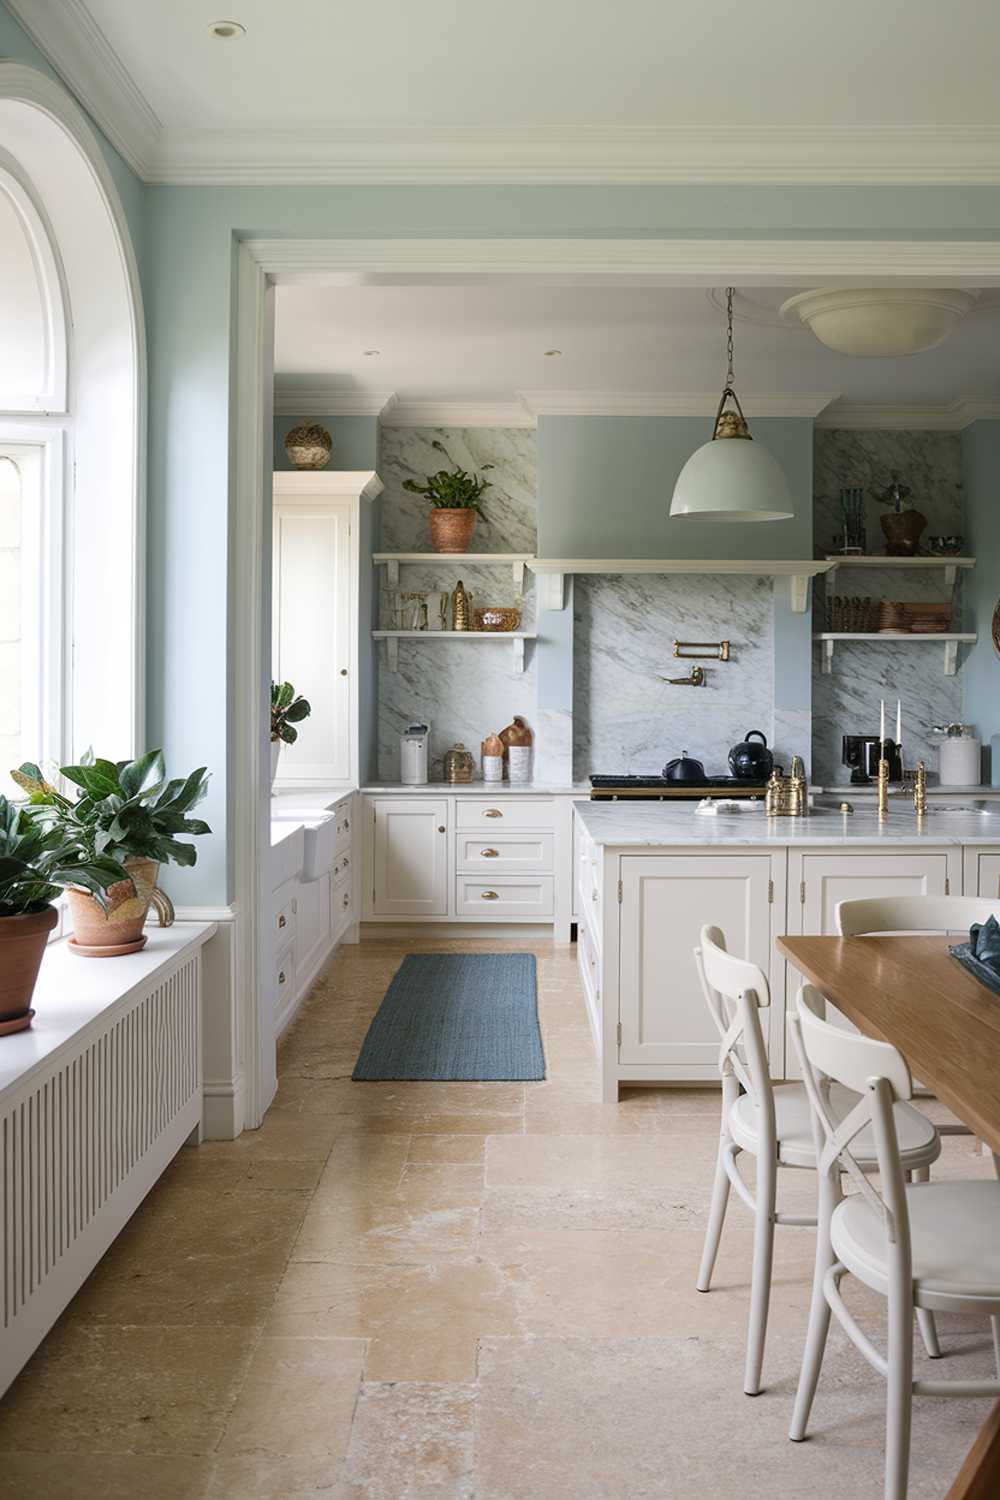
[[861, 754]]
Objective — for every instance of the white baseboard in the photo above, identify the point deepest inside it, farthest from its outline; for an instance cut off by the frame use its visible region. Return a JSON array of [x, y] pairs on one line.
[[539, 932], [222, 1117]]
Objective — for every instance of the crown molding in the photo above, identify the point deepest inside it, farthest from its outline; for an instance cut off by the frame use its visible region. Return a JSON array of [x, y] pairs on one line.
[[391, 154], [948, 416], [318, 398], [459, 413], [69, 37], [668, 404]]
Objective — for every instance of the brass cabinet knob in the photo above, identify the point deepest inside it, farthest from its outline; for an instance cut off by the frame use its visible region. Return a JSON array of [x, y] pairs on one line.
[[345, 901], [489, 896], [441, 828], [493, 812], [282, 920], [343, 671], [490, 853], [281, 977]]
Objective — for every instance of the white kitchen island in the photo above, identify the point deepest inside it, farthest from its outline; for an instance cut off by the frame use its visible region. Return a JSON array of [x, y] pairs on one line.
[[649, 875]]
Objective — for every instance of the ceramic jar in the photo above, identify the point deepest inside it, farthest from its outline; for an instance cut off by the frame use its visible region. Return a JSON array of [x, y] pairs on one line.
[[518, 739], [308, 446], [492, 753]]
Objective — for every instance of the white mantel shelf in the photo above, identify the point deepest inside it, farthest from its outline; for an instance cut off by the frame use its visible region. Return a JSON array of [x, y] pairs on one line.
[[951, 643], [515, 560], [393, 637], [552, 571], [951, 565]]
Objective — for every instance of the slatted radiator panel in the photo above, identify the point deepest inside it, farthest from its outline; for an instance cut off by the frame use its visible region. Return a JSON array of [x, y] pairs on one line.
[[85, 1142]]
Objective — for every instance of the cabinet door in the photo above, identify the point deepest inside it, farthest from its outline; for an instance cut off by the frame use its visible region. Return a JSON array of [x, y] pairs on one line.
[[987, 876], [830, 878], [666, 899], [311, 646], [410, 857], [313, 934]]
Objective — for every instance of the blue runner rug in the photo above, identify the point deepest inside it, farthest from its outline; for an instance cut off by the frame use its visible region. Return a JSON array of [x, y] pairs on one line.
[[467, 1017]]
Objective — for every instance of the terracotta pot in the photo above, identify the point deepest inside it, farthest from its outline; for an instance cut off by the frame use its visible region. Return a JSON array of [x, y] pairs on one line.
[[22, 943], [902, 531], [128, 906], [451, 530]]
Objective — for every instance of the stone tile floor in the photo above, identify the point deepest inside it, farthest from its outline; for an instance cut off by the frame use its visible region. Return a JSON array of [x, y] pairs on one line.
[[453, 1292]]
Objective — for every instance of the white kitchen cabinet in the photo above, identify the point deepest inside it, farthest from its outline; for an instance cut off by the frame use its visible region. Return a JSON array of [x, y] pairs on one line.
[[507, 854], [409, 856], [665, 900], [982, 873], [313, 929], [526, 898], [822, 878]]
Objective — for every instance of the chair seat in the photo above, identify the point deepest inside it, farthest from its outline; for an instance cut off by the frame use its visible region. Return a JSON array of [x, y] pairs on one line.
[[955, 1234], [919, 1143]]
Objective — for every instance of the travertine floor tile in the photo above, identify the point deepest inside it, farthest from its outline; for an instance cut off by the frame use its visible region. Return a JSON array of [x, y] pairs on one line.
[[111, 1476], [447, 1148], [298, 1399], [411, 1441], [589, 1161]]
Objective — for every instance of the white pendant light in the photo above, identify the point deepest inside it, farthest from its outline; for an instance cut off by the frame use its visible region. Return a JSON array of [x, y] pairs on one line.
[[732, 478]]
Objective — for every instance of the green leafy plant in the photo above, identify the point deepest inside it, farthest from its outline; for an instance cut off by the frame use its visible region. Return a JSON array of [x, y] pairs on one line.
[[454, 488], [38, 860], [286, 711], [123, 809]]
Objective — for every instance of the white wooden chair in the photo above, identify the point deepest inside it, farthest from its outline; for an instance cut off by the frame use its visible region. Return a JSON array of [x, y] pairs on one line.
[[931, 1246], [771, 1121]]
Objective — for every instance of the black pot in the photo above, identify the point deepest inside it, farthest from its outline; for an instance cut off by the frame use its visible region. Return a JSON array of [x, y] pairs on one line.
[[750, 761], [684, 768]]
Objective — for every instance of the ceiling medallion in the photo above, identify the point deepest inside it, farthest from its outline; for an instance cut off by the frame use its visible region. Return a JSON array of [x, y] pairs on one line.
[[880, 322]]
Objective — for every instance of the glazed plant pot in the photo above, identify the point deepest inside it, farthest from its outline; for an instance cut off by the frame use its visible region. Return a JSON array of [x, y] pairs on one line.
[[22, 943], [451, 530], [903, 529], [106, 934], [275, 754]]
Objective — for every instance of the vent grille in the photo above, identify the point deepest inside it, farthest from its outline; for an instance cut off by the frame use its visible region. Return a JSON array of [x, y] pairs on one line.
[[69, 1145]]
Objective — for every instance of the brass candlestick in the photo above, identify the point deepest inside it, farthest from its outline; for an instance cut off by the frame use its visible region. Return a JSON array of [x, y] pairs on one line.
[[920, 790], [883, 788]]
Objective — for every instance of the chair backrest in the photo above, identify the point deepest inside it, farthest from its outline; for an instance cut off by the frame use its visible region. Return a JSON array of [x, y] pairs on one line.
[[735, 992], [878, 1073], [913, 914]]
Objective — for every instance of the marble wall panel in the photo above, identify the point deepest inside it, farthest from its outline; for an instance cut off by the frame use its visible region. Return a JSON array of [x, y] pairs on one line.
[[929, 462]]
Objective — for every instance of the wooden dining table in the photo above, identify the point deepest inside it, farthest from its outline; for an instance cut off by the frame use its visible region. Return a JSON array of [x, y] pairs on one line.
[[911, 992]]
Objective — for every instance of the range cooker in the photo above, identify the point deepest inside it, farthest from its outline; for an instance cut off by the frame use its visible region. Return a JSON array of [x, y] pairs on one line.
[[659, 789]]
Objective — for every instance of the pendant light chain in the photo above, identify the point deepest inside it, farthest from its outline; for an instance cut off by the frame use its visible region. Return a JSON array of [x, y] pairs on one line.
[[730, 376]]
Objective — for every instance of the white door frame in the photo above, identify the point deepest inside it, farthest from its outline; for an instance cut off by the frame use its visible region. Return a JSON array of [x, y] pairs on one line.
[[261, 263]]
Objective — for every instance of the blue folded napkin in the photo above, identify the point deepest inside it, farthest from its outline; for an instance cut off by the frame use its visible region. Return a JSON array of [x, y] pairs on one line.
[[981, 954]]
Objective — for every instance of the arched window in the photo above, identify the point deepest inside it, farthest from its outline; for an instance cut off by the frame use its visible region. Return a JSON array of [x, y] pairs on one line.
[[72, 367]]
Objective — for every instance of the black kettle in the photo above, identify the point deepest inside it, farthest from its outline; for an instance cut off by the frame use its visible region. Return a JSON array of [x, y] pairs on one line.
[[749, 761], [684, 768]]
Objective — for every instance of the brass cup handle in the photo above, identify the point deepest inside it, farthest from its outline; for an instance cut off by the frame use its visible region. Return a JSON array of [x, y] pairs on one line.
[[490, 853], [282, 920], [488, 896], [281, 977], [345, 900], [493, 812]]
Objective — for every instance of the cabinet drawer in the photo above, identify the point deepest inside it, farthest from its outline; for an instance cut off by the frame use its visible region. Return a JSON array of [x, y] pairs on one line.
[[505, 812], [504, 898], [507, 854], [344, 821], [284, 925], [341, 866], [284, 984], [341, 906]]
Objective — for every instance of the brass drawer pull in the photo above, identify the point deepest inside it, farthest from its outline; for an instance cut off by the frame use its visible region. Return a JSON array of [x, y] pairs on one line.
[[489, 896], [282, 921], [345, 900], [493, 812], [490, 853], [281, 977]]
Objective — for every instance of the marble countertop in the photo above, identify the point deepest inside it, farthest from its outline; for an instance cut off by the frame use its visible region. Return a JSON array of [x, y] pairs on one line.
[[287, 800], [653, 825], [934, 789], [481, 789]]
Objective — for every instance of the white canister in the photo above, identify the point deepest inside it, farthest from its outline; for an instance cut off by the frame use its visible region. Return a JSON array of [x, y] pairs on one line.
[[519, 764], [492, 767], [959, 760]]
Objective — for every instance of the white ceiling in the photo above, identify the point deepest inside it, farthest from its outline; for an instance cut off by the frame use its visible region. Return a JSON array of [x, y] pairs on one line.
[[418, 90], [487, 342]]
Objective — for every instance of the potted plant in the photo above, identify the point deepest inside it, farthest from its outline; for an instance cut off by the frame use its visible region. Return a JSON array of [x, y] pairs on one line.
[[287, 710], [454, 495], [36, 863], [125, 811]]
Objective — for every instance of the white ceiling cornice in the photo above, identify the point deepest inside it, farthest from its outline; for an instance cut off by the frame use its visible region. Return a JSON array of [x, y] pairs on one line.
[[392, 154], [948, 416], [68, 35], [295, 397], [458, 413], [668, 403], [406, 155]]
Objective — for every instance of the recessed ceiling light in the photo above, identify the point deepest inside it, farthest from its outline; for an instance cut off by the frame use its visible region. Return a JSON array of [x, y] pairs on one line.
[[370, 353], [227, 31], [552, 353]]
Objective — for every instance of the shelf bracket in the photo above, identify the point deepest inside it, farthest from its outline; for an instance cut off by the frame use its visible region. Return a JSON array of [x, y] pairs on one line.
[[826, 665], [392, 573], [798, 584], [517, 572], [518, 644], [551, 593], [950, 658], [392, 653], [950, 575]]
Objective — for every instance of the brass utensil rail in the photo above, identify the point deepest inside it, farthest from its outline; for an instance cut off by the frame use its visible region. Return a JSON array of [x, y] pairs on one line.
[[703, 650]]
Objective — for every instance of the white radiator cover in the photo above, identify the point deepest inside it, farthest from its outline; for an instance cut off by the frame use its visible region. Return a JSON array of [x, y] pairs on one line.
[[84, 1139]]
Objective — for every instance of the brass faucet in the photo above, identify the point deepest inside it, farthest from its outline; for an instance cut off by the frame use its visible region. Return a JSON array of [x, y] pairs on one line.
[[696, 679]]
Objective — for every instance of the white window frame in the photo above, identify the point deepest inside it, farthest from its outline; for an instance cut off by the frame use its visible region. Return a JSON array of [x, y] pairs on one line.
[[52, 395]]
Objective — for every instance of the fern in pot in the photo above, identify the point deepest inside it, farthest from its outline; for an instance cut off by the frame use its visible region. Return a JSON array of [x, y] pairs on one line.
[[130, 812], [37, 863], [455, 496]]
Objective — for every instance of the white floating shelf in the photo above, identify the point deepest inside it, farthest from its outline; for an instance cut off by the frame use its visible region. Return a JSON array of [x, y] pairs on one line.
[[393, 637], [951, 643], [951, 565], [515, 560], [553, 570]]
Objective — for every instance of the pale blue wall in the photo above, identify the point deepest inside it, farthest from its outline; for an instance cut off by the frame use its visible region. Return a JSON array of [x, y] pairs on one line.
[[355, 440], [981, 675]]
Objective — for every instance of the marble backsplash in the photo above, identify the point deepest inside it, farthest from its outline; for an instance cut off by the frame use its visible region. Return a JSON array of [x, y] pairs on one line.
[[847, 701], [462, 690], [626, 717]]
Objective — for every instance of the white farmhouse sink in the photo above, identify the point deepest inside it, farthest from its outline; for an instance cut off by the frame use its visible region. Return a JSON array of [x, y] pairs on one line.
[[287, 851], [319, 835]]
